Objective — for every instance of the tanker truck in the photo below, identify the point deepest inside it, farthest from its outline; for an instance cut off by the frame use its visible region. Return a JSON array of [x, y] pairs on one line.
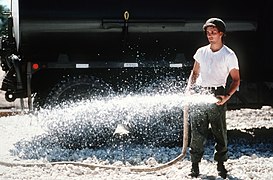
[[58, 51]]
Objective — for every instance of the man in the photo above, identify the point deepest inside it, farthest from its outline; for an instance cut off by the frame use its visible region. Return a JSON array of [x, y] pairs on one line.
[[213, 64]]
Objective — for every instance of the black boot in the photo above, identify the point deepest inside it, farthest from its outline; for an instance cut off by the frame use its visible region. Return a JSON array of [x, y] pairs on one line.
[[222, 170], [194, 170]]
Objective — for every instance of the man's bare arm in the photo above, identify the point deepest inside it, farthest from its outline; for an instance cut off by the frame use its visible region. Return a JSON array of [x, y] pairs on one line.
[[193, 76], [235, 76]]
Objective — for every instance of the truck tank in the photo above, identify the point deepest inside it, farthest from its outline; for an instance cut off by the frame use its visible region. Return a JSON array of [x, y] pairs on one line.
[[55, 51]]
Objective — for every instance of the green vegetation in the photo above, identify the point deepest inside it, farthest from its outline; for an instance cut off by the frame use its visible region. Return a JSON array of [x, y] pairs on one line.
[[3, 19]]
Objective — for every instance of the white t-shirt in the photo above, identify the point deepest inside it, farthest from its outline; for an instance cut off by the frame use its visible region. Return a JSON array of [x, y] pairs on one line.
[[215, 66]]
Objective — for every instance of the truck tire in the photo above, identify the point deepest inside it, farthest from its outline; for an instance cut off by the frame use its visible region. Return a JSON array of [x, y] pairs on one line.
[[39, 99], [77, 88]]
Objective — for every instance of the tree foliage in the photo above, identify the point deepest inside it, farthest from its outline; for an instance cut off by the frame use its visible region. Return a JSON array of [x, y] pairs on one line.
[[3, 18]]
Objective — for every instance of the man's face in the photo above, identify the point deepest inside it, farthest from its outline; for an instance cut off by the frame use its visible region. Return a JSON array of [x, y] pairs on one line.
[[213, 35]]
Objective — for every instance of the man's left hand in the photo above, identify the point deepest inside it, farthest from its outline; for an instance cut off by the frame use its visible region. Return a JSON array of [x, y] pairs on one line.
[[222, 99]]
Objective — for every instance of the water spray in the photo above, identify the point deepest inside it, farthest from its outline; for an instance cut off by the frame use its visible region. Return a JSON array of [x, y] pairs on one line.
[[120, 130], [123, 130]]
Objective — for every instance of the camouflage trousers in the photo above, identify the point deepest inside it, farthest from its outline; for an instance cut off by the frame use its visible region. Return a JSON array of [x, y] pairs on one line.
[[201, 116]]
